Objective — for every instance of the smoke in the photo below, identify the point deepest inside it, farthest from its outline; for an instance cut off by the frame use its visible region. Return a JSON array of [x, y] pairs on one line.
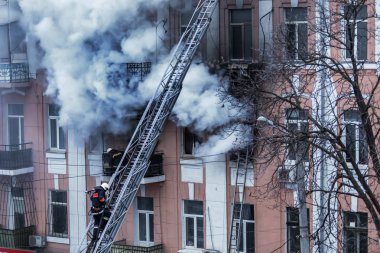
[[85, 46]]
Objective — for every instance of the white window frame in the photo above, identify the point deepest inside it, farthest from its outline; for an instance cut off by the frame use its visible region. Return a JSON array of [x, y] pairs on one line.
[[347, 57], [242, 27], [147, 214], [299, 123], [362, 167], [296, 23], [244, 232], [58, 128], [20, 119], [194, 217], [51, 232]]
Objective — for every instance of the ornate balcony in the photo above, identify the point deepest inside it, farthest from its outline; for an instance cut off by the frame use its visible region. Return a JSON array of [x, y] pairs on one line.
[[16, 159], [16, 238], [14, 72]]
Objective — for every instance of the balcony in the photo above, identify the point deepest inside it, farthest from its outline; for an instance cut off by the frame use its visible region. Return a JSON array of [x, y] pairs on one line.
[[16, 159], [16, 238], [120, 247], [16, 73], [154, 173]]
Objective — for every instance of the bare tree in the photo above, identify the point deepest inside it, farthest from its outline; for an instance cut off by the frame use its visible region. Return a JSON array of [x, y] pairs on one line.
[[318, 99]]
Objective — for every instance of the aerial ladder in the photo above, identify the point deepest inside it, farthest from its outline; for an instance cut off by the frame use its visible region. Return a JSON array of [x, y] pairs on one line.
[[236, 228], [126, 180]]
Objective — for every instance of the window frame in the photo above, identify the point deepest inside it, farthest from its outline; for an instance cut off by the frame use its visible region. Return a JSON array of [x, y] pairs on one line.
[[16, 207], [20, 126], [58, 129], [356, 230], [244, 230], [148, 214], [195, 218], [299, 122], [242, 25], [358, 142], [296, 42], [51, 214], [356, 22], [195, 142]]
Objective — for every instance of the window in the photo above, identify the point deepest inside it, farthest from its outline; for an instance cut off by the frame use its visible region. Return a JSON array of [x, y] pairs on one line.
[[57, 135], [190, 141], [145, 213], [247, 234], [355, 232], [18, 207], [16, 125], [241, 34], [293, 229], [297, 124], [355, 17], [296, 33], [186, 14], [58, 213], [4, 43], [356, 142], [193, 223]]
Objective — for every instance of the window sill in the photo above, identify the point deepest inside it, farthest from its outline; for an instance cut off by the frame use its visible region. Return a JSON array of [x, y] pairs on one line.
[[191, 250], [58, 240], [56, 153]]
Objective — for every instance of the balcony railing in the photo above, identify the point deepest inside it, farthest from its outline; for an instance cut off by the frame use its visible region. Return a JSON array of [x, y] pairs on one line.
[[16, 238], [138, 70], [155, 167], [120, 248], [13, 157], [14, 72]]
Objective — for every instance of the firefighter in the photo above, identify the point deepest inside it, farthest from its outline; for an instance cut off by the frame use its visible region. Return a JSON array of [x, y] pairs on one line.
[[114, 156], [98, 199]]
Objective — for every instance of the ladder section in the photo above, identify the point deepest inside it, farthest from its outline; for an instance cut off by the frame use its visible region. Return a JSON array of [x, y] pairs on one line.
[[242, 164], [126, 180]]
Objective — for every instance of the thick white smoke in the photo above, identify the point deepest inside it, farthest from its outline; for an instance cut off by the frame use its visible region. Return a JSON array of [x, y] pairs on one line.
[[84, 41]]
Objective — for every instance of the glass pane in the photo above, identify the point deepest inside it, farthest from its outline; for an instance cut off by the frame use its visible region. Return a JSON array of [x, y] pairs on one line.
[[352, 115], [4, 45], [188, 138], [363, 147], [248, 212], [151, 227], [142, 227], [241, 16], [59, 219], [290, 41], [362, 41], [302, 41], [16, 109], [200, 243], [193, 207], [350, 241], [236, 41], [59, 196], [53, 133], [61, 138], [350, 143], [295, 14], [350, 38], [250, 237], [22, 130], [17, 192], [14, 131], [145, 203], [53, 110], [247, 41], [363, 242], [363, 220], [293, 239], [189, 228], [357, 12]]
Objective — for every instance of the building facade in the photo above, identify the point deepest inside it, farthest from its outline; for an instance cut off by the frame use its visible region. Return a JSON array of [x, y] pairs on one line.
[[184, 203]]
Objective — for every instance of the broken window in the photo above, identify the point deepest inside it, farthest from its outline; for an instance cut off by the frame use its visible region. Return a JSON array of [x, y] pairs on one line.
[[190, 141]]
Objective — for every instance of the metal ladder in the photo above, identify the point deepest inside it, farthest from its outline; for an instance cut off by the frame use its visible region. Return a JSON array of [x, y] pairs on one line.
[[126, 180], [237, 207]]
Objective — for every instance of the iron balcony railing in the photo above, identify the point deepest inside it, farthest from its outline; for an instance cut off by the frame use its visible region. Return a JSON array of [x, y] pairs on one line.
[[138, 70], [14, 72], [17, 156], [121, 248], [155, 169], [16, 238]]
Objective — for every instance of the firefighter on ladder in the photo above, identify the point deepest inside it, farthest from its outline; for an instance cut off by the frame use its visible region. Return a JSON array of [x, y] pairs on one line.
[[101, 214]]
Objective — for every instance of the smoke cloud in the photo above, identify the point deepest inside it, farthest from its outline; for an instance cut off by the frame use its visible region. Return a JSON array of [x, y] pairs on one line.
[[85, 44]]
